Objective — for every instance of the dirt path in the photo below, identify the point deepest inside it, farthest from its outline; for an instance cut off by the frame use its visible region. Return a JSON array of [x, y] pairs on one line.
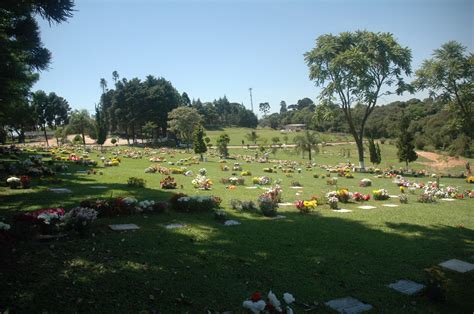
[[441, 161]]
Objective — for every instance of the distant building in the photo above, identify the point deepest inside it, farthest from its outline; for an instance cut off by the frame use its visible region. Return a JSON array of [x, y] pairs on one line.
[[295, 127]]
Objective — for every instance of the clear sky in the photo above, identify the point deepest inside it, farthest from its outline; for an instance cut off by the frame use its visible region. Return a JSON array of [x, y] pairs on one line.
[[213, 48]]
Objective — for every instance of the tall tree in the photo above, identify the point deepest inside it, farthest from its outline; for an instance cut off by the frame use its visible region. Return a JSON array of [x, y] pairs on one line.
[[21, 51], [101, 125], [307, 142], [81, 122], [182, 121], [355, 67], [115, 76], [449, 75], [199, 144], [264, 108], [222, 142], [103, 85], [283, 108], [252, 137], [406, 148], [374, 156]]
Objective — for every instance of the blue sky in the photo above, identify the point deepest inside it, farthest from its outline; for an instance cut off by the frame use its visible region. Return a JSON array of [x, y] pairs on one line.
[[214, 48]]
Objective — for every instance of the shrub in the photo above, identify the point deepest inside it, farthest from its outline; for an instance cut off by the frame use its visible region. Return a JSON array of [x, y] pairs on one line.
[[196, 203], [168, 183], [136, 182], [243, 206]]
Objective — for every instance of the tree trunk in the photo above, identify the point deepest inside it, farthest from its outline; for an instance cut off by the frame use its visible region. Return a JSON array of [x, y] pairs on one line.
[[21, 136], [83, 138], [45, 136], [202, 158], [309, 153], [360, 151]]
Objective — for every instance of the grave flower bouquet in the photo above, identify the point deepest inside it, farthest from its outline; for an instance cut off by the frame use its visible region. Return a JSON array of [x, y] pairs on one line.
[[168, 183], [201, 182], [233, 181], [380, 195], [306, 207], [245, 173], [268, 201], [14, 182], [256, 304], [332, 201], [79, 218], [261, 180], [359, 197], [365, 182]]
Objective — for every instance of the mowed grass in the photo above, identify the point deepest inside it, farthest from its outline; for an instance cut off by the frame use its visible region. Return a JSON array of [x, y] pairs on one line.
[[317, 257], [237, 135]]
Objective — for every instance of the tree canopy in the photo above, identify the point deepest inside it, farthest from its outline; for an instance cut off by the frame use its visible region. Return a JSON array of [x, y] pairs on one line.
[[358, 67]]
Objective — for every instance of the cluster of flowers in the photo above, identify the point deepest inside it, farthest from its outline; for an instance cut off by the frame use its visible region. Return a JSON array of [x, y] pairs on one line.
[[233, 181], [123, 206], [306, 206], [359, 197], [365, 182], [197, 203], [269, 170], [23, 182], [257, 305], [342, 195], [261, 180], [202, 182], [79, 218], [43, 216], [432, 192], [114, 162], [380, 195], [237, 167], [331, 181], [245, 173], [168, 183], [402, 182], [243, 206], [268, 201]]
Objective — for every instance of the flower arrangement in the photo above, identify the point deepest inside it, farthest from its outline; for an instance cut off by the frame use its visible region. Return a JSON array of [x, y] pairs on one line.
[[470, 194], [25, 182], [202, 171], [380, 195], [331, 181], [268, 170], [136, 182], [427, 197], [245, 173], [14, 182], [403, 198], [175, 170], [220, 215], [295, 184], [343, 195], [470, 179], [268, 201], [233, 181], [333, 202], [348, 175], [359, 197], [365, 182], [46, 219], [168, 183], [261, 180], [4, 226], [256, 304], [306, 207], [151, 169], [202, 182], [79, 218], [224, 168], [114, 162], [237, 167]]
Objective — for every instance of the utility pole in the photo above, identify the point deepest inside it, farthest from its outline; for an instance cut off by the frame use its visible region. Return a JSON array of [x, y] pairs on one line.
[[251, 100]]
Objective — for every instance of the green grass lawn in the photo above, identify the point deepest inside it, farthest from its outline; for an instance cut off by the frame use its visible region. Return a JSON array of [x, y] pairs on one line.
[[316, 257], [238, 134]]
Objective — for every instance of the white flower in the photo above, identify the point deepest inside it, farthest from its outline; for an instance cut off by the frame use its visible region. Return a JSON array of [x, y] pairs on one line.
[[274, 301], [288, 297], [289, 310], [13, 180], [254, 307]]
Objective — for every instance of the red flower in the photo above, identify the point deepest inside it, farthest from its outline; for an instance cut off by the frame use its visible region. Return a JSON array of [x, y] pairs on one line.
[[256, 297]]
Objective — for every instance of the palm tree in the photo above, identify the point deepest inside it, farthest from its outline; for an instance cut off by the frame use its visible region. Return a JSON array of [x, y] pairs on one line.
[[103, 85], [307, 142]]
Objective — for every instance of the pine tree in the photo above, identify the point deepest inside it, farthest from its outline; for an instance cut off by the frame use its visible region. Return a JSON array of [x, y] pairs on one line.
[[199, 144], [373, 152], [222, 143], [406, 148], [379, 154], [101, 125]]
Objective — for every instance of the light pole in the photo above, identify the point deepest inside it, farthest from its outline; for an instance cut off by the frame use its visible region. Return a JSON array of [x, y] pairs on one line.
[[251, 100]]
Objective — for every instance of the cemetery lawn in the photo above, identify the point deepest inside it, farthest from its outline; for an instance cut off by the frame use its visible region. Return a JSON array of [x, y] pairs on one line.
[[208, 266]]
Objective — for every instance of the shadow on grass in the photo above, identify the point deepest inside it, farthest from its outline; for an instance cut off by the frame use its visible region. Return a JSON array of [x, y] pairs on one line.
[[209, 266]]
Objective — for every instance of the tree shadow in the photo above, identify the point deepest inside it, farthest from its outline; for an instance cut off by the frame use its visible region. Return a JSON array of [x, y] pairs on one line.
[[207, 265]]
